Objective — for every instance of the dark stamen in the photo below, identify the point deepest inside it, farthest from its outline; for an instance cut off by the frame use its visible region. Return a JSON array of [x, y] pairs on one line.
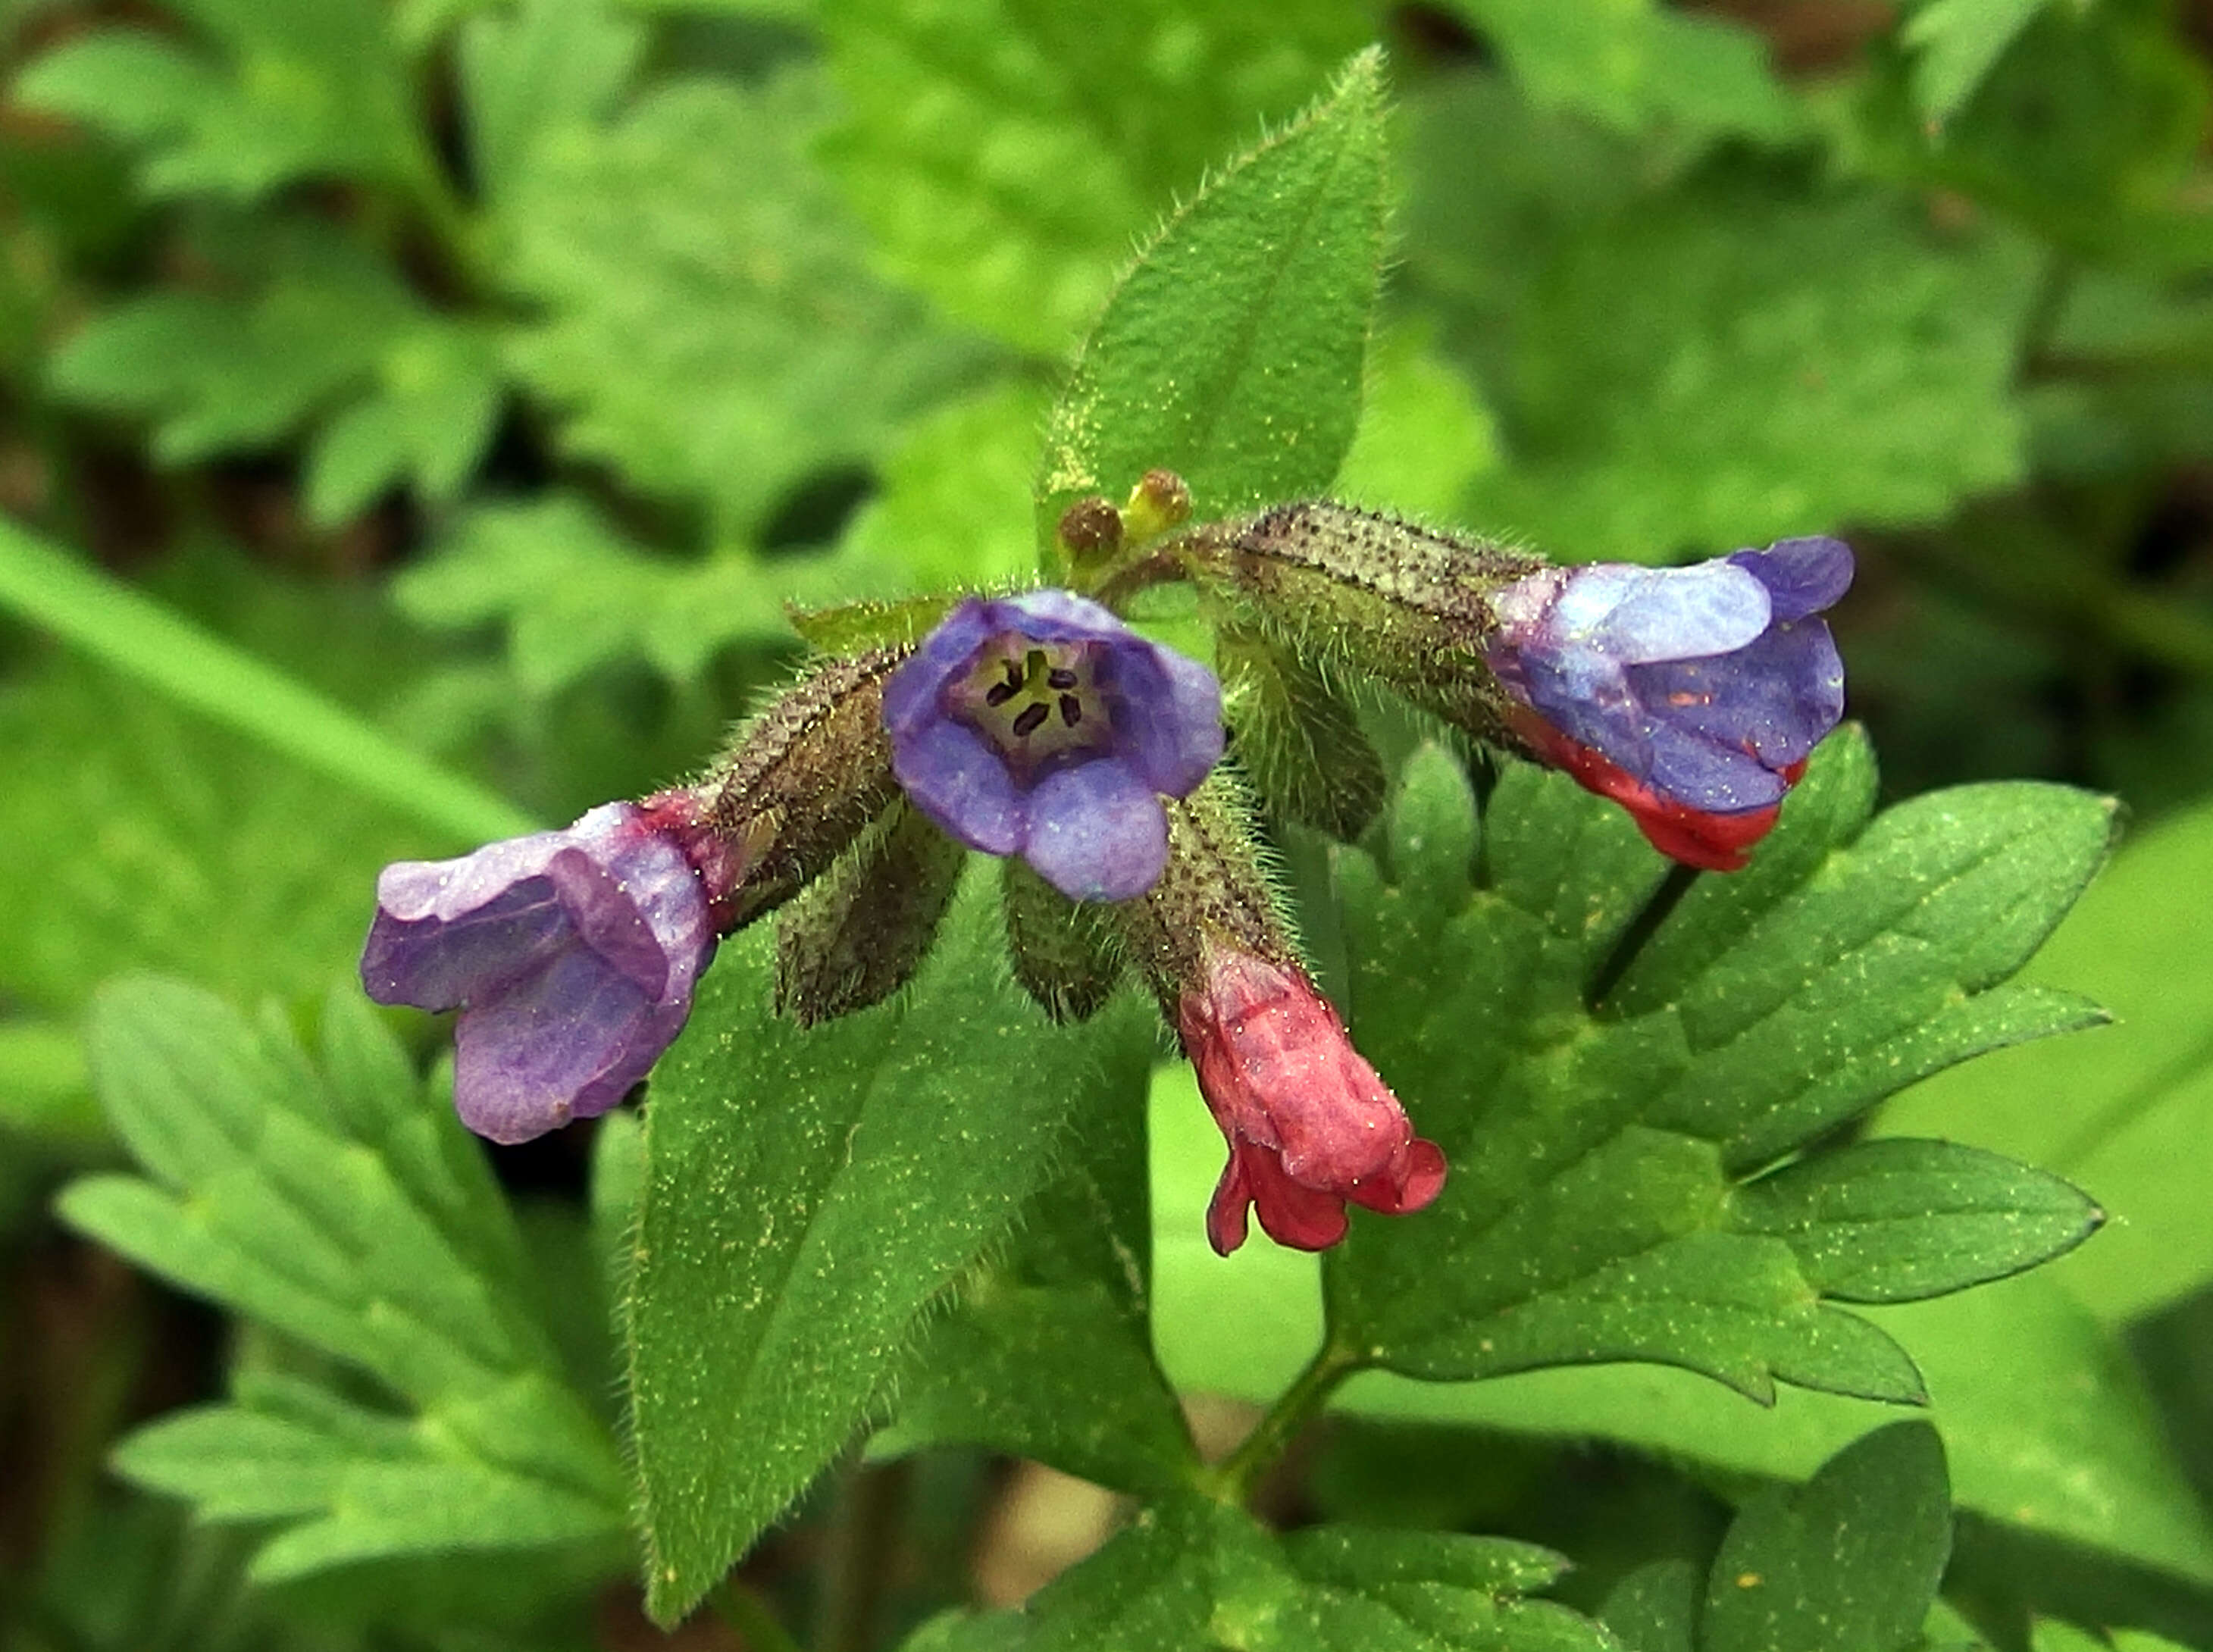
[[1000, 693], [1060, 677], [1070, 712], [1026, 724]]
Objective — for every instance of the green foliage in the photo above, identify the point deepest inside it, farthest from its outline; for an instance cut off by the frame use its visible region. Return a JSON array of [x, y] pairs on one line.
[[1591, 1215], [1048, 1353], [573, 593], [1231, 354], [291, 92], [328, 1202], [711, 327], [2086, 130], [1848, 1562], [1896, 1221], [329, 338], [1193, 1573], [954, 510], [1634, 64], [1006, 155], [1827, 360], [801, 1215], [1957, 41], [1851, 1561], [2133, 1090], [2043, 1412]]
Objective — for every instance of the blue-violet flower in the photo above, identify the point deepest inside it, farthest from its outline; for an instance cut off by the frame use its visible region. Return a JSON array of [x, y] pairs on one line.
[[1691, 696], [571, 954], [1042, 726]]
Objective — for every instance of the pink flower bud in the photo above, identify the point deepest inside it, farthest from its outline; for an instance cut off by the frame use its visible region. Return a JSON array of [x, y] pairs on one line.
[[1310, 1124]]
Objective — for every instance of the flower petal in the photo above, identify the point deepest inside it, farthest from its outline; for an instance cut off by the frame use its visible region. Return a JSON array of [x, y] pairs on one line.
[[1802, 577], [1097, 831], [1674, 613], [1175, 736], [956, 778], [912, 692]]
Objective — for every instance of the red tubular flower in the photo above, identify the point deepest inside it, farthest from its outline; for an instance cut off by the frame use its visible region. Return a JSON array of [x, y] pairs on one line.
[[1310, 1124]]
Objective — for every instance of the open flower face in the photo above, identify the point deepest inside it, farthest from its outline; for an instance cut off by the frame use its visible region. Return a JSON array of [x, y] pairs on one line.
[[571, 954], [1042, 726], [1691, 696], [1310, 1124]]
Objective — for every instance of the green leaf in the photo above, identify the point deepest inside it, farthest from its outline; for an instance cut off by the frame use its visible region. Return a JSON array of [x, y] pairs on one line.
[[2043, 1415], [1232, 353], [330, 338], [1727, 366], [1590, 1214], [955, 510], [1008, 154], [1847, 1563], [1957, 43], [711, 327], [43, 1090], [350, 1484], [296, 91], [1656, 1607], [341, 1206], [141, 837], [547, 69], [2087, 129], [429, 420], [1631, 63], [574, 594], [879, 1156], [2133, 1090], [1191, 1573], [1048, 1354], [1895, 1221]]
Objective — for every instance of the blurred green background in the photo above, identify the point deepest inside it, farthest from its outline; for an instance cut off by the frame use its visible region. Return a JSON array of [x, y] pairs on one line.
[[414, 418]]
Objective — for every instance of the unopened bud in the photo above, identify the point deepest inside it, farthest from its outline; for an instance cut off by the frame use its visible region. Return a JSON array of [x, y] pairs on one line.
[[806, 777], [1089, 529], [1066, 955], [1309, 1125], [856, 937], [1160, 501]]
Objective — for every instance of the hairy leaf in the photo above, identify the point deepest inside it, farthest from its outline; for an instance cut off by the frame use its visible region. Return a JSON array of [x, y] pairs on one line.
[[809, 1197], [1232, 352]]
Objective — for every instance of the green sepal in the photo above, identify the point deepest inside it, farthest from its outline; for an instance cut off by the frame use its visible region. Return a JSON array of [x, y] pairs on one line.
[[855, 936], [1066, 955], [1298, 739], [850, 627]]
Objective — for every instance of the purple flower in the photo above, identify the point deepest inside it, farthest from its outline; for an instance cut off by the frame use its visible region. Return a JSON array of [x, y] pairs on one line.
[[1707, 686], [1042, 726], [571, 954]]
